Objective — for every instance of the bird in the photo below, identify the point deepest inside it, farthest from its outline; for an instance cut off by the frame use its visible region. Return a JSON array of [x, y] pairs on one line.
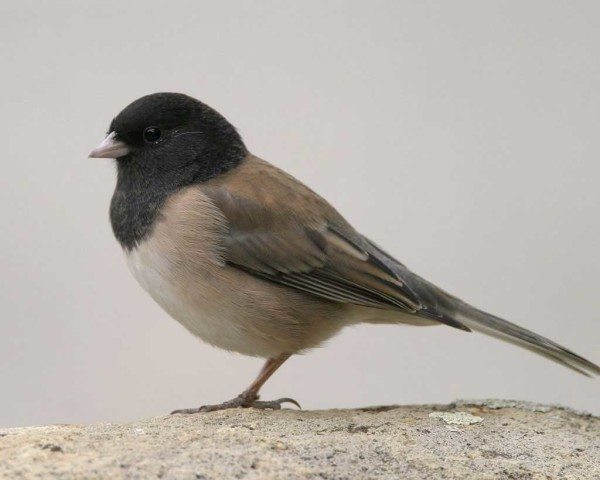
[[249, 259]]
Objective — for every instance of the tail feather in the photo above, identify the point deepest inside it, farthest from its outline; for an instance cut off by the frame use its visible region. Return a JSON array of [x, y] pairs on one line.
[[491, 325], [443, 307]]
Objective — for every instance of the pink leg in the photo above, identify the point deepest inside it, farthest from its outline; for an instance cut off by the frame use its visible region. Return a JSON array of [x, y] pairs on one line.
[[249, 397]]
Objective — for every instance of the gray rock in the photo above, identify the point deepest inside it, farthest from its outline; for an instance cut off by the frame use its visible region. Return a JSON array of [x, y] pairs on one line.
[[467, 439]]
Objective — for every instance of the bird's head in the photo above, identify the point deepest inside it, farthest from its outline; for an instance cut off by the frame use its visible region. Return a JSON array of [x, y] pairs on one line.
[[171, 137]]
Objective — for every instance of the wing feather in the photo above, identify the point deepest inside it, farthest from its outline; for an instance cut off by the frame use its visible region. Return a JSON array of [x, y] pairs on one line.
[[281, 231]]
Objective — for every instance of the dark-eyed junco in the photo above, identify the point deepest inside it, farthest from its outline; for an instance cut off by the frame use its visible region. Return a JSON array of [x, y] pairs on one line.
[[248, 258]]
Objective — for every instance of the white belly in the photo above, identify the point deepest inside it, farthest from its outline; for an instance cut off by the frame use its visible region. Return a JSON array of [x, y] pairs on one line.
[[193, 300]]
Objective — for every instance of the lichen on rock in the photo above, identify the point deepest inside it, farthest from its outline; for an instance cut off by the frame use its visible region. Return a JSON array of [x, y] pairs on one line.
[[456, 418]]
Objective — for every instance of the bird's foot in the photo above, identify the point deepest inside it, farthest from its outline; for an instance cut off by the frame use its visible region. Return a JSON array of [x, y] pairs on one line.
[[241, 401]]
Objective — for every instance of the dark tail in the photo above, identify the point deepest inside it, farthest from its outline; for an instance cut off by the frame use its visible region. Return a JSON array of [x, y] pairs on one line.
[[493, 326], [442, 307]]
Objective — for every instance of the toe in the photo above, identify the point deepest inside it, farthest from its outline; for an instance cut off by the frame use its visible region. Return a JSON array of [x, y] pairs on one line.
[[266, 405], [185, 411]]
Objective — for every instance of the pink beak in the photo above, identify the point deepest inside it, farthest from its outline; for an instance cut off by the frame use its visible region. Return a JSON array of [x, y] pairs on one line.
[[110, 147]]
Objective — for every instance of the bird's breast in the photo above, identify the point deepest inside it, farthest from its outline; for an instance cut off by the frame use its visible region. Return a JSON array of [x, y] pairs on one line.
[[180, 265]]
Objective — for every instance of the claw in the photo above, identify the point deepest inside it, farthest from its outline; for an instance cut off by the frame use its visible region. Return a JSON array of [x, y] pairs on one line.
[[288, 400]]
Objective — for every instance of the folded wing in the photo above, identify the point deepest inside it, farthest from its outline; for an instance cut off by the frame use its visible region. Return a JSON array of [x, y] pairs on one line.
[[283, 232]]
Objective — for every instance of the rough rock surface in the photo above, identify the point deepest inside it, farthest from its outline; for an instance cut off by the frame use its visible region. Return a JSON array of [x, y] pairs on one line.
[[478, 439]]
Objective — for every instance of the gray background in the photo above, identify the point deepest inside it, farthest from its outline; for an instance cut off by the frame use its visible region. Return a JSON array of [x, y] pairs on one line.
[[462, 136]]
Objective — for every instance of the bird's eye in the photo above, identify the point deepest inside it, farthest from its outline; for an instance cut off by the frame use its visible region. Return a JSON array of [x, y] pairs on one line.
[[152, 134]]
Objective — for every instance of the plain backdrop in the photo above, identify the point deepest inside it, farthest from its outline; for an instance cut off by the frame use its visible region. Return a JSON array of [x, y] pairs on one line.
[[462, 136]]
